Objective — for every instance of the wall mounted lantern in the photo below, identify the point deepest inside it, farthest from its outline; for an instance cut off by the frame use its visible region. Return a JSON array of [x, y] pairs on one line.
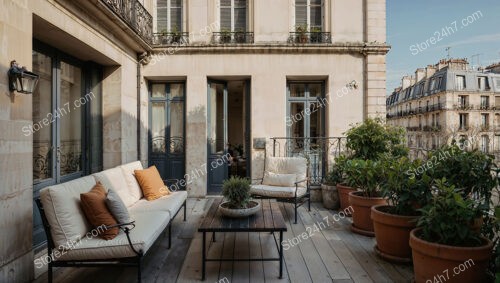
[[20, 79]]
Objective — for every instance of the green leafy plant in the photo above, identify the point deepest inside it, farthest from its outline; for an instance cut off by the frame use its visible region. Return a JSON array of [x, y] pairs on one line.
[[334, 176], [301, 31], [468, 171], [365, 175], [225, 36], [237, 191], [406, 193], [448, 218], [370, 139]]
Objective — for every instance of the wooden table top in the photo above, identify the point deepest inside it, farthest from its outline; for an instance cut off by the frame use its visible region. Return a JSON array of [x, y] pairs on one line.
[[268, 219]]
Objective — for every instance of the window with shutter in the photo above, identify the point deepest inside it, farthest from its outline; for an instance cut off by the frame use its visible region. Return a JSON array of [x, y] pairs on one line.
[[309, 13], [169, 15], [233, 15]]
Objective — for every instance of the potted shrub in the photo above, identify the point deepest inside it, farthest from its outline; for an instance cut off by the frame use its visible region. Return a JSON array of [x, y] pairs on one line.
[[444, 239], [240, 36], [176, 35], [301, 34], [343, 188], [329, 192], [366, 176], [316, 35], [236, 191], [406, 192], [225, 36]]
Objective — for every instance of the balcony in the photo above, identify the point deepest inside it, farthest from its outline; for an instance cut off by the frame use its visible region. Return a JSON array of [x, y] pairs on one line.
[[310, 37], [238, 37], [464, 106], [170, 38], [463, 128], [134, 15]]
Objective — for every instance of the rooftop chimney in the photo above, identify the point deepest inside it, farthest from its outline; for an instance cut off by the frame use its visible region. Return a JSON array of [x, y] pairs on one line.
[[429, 71], [419, 74], [406, 82]]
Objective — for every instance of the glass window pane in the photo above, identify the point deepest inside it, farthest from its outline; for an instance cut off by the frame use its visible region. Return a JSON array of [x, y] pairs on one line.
[[240, 19], [70, 112], [42, 109], [216, 130], [158, 90], [158, 127], [176, 127], [225, 18], [96, 141], [297, 90], [315, 18], [175, 19], [176, 90], [297, 112], [161, 15], [300, 15], [315, 90]]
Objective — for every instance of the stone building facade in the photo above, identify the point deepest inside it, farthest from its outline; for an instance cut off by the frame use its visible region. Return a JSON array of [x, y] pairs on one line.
[[449, 101], [174, 83]]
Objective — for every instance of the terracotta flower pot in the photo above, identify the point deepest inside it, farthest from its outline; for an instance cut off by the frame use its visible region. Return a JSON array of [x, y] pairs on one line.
[[330, 196], [450, 264], [344, 191], [392, 233], [361, 206]]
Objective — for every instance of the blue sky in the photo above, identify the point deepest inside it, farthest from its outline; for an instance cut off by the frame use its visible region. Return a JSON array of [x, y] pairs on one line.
[[412, 22]]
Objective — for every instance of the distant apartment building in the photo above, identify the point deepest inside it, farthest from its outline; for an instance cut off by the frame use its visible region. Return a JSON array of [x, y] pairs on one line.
[[449, 101], [174, 83]]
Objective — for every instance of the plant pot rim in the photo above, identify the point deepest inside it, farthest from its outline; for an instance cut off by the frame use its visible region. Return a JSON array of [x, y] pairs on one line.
[[447, 251], [356, 194], [377, 210], [344, 186], [253, 201]]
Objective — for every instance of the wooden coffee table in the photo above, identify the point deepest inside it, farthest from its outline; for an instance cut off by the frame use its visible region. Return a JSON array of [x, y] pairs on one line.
[[268, 219]]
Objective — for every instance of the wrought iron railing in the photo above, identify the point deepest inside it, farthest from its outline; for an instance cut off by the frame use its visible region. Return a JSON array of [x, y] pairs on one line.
[[169, 38], [310, 37], [237, 37], [319, 151], [135, 15]]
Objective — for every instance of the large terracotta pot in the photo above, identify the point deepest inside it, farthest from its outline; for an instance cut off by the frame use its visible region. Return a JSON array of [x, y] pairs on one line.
[[392, 233], [330, 196], [361, 206], [434, 262], [344, 191]]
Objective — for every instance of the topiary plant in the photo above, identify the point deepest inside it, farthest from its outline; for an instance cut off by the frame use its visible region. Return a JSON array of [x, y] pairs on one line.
[[237, 191]]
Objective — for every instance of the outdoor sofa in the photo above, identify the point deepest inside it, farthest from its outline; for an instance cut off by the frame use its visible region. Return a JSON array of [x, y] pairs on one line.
[[67, 229]]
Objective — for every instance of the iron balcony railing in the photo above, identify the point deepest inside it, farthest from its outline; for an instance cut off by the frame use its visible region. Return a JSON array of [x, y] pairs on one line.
[[310, 37], [135, 15], [170, 38], [319, 151], [237, 37]]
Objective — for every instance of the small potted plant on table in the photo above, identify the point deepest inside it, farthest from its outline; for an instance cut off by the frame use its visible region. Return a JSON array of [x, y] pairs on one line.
[[236, 191]]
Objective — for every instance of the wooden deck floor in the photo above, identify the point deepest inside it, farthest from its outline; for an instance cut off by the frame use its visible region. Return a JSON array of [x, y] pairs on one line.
[[333, 254]]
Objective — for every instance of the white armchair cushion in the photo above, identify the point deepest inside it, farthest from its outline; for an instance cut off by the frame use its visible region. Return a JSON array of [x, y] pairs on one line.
[[277, 192], [133, 185], [61, 204], [280, 180], [115, 179], [288, 165]]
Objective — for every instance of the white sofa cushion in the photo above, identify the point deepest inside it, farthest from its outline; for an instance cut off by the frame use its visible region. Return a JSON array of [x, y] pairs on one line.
[[288, 165], [149, 226], [133, 185], [276, 191], [281, 180], [170, 203], [115, 179], [61, 204]]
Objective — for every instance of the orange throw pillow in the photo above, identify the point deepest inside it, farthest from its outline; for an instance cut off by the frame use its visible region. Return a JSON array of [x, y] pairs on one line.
[[152, 185], [94, 206]]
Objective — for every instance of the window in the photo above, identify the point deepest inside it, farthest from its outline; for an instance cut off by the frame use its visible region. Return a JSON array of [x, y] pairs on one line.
[[460, 82], [482, 83], [169, 15], [485, 120], [303, 96], [485, 102], [437, 120], [308, 13], [463, 101], [463, 120], [438, 83], [485, 143], [497, 102], [433, 83], [233, 15]]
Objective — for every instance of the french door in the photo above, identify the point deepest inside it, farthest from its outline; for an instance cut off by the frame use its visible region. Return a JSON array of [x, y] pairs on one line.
[[167, 129], [67, 96], [217, 136]]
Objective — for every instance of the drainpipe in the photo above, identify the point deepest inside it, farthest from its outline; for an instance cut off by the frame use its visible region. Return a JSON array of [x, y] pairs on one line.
[[139, 59]]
